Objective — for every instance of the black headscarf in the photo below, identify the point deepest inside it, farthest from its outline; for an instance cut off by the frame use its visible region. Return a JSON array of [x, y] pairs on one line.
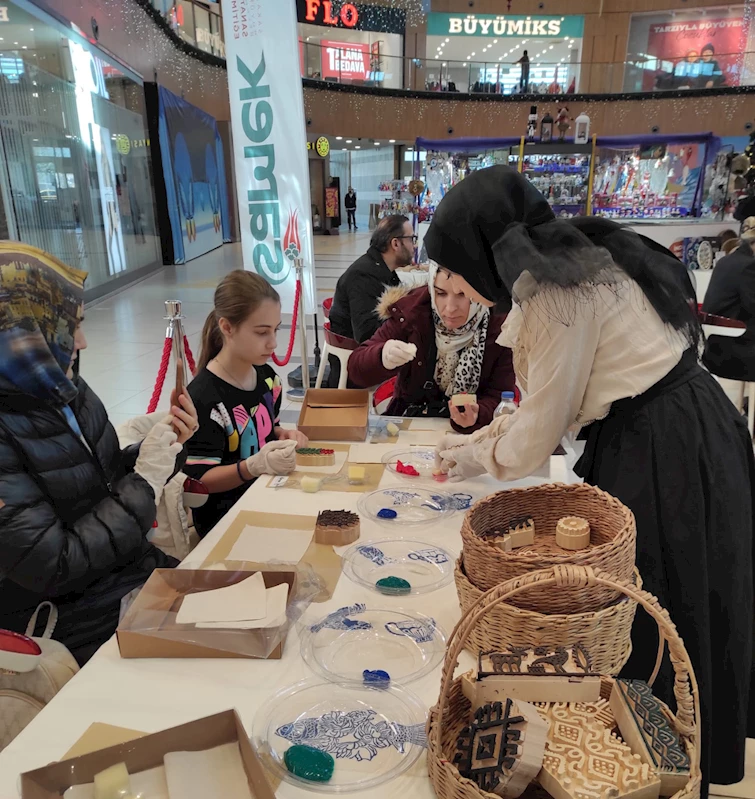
[[494, 225]]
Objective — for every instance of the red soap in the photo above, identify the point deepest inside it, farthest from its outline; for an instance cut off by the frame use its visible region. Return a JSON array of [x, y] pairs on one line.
[[406, 468]]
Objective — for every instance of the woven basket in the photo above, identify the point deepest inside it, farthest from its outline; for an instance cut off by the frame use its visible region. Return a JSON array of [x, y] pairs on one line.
[[606, 634], [452, 711], [612, 537]]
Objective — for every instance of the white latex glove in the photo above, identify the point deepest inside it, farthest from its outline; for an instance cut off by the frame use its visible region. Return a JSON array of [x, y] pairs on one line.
[[276, 457], [157, 456], [460, 463], [449, 441], [397, 353]]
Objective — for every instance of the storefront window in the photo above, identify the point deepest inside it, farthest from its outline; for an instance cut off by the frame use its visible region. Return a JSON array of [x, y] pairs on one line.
[[184, 10], [75, 178], [202, 29], [504, 54], [704, 48]]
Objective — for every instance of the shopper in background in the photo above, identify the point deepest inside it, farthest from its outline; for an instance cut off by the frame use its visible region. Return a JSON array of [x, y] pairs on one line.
[[731, 293], [437, 343], [238, 397], [75, 509], [605, 338], [524, 78], [350, 203]]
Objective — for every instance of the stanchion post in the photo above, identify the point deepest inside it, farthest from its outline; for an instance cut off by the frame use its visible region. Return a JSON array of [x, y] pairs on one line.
[[299, 266], [175, 332]]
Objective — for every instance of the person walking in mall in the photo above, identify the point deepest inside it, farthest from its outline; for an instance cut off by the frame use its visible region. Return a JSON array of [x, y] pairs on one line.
[[434, 342], [75, 509], [731, 292], [350, 202], [605, 337], [524, 78]]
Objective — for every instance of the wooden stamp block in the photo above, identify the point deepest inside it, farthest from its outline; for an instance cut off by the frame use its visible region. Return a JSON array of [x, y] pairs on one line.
[[573, 533], [315, 456], [648, 731], [584, 760], [572, 661], [522, 531], [598, 710], [336, 527], [462, 400], [502, 749]]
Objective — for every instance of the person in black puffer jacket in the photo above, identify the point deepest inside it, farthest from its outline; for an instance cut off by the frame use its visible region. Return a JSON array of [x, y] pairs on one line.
[[75, 509]]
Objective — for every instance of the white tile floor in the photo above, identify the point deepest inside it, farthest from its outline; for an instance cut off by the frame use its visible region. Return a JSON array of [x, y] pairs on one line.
[[126, 331], [126, 334]]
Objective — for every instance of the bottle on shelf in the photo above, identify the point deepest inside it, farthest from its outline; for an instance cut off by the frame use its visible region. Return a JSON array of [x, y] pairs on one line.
[[581, 129], [506, 406], [546, 128]]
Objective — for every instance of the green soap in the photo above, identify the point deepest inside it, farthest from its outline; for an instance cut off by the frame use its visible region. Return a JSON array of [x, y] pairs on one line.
[[393, 585], [309, 763]]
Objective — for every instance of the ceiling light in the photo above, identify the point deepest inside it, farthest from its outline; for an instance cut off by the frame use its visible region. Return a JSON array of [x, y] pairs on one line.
[[443, 65], [495, 41], [348, 141], [15, 42], [31, 29], [447, 40], [24, 47], [357, 147], [344, 149], [376, 143], [551, 47], [393, 141], [472, 53], [338, 138]]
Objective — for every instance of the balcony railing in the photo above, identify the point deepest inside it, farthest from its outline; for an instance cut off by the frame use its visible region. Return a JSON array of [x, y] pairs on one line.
[[198, 24]]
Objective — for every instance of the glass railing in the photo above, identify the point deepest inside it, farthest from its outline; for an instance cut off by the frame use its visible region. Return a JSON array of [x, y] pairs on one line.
[[195, 23], [359, 64]]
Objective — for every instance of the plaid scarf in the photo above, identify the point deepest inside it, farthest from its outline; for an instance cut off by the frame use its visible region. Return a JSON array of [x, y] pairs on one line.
[[40, 304]]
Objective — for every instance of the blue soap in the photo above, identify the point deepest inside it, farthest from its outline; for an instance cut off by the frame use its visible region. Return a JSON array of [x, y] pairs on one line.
[[387, 513], [377, 677]]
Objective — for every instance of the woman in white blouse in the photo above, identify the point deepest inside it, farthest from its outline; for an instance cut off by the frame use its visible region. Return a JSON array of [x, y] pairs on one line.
[[605, 338]]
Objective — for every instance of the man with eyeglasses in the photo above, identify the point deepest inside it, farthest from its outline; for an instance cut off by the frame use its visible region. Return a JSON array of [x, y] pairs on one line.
[[360, 286]]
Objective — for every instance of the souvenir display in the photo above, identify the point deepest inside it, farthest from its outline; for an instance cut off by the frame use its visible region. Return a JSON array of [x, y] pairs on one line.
[[352, 641], [422, 566], [563, 179], [337, 527], [315, 456], [573, 533], [373, 734], [410, 507], [411, 461], [646, 729]]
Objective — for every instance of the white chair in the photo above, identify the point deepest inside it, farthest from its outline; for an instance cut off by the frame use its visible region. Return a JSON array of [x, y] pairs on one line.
[[340, 347]]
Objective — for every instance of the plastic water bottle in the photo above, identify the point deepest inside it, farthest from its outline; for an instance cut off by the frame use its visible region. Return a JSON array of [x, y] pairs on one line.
[[506, 405]]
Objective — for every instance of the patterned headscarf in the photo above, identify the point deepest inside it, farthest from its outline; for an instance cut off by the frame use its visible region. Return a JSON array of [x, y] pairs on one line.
[[40, 304], [460, 351]]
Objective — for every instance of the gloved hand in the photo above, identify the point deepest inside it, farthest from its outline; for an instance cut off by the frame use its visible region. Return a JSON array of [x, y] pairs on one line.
[[397, 353], [460, 463], [276, 457], [157, 456], [449, 441]]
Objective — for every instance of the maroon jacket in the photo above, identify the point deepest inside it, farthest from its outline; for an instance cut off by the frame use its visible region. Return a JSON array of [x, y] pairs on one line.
[[409, 319]]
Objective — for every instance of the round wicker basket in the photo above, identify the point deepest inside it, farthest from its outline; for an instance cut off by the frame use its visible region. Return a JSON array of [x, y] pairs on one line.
[[452, 712], [606, 634], [612, 542]]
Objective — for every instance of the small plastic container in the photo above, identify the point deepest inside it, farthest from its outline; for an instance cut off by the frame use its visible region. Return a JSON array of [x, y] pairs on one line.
[[406, 506], [421, 459], [506, 406]]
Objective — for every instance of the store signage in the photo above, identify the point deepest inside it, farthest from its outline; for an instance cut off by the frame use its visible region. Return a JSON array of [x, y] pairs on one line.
[[267, 114], [351, 16], [321, 146], [4, 14], [503, 26], [345, 60]]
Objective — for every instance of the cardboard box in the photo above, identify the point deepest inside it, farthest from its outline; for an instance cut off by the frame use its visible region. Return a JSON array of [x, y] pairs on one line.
[[148, 752], [149, 628], [335, 414]]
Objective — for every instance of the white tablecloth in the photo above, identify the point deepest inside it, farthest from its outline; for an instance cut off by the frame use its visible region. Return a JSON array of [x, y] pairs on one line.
[[150, 695]]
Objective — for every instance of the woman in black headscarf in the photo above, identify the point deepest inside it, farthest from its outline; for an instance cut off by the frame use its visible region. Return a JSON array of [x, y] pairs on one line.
[[605, 338]]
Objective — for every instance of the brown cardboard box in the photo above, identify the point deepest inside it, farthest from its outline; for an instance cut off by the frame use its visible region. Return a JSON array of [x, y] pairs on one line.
[[335, 414], [148, 752], [149, 629]]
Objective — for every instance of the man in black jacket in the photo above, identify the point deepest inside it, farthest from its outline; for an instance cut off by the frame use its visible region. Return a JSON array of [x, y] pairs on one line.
[[360, 286], [350, 203], [732, 293]]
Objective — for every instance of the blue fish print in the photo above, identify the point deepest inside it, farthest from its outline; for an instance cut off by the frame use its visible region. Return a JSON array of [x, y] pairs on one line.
[[338, 620], [355, 735], [421, 633], [401, 497], [429, 555], [375, 555]]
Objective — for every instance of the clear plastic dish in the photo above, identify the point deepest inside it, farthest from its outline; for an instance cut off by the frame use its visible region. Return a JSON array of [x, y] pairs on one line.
[[424, 566], [349, 641], [373, 734], [422, 459], [409, 506]]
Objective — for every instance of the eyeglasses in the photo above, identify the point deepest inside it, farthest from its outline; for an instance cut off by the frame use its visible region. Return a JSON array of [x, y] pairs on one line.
[[414, 238]]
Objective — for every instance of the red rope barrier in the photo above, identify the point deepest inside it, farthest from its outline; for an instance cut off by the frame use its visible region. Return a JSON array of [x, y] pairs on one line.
[[189, 357], [162, 371], [287, 357]]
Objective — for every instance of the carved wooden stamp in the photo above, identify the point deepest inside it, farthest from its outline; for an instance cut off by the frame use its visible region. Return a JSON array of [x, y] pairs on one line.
[[599, 711], [315, 456], [648, 731], [502, 749], [522, 531], [337, 527], [573, 533]]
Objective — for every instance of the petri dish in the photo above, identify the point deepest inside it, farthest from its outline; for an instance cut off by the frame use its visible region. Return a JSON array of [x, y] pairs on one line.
[[424, 566], [410, 506], [421, 458], [373, 734], [405, 644]]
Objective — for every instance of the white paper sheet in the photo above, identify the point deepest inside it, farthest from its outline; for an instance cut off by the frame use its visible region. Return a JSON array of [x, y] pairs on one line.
[[238, 602], [277, 596], [422, 438], [149, 784], [269, 545], [340, 460], [217, 772], [370, 453]]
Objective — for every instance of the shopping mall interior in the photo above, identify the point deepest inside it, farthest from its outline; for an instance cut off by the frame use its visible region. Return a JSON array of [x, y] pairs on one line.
[[479, 270]]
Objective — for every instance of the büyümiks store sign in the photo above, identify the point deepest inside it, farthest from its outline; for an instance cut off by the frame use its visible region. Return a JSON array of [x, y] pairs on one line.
[[505, 25], [351, 16]]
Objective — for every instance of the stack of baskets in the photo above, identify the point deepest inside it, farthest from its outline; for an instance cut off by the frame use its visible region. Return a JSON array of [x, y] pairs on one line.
[[594, 615]]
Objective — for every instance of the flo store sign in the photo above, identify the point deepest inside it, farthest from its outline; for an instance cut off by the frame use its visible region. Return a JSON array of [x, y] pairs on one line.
[[504, 26]]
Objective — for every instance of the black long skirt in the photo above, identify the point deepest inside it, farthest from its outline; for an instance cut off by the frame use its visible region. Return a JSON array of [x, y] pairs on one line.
[[680, 457]]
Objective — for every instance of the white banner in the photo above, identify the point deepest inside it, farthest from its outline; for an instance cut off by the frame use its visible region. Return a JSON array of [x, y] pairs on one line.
[[270, 143]]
